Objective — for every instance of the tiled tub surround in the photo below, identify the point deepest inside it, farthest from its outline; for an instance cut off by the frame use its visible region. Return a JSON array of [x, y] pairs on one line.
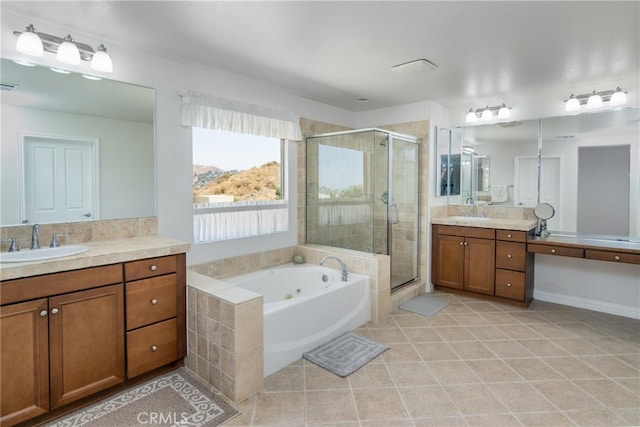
[[81, 232], [225, 324]]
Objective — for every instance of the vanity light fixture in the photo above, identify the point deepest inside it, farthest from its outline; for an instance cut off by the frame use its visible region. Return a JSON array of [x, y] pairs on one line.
[[500, 112], [594, 100], [68, 51]]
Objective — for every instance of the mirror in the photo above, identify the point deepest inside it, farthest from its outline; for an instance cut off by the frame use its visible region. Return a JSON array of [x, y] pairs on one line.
[[56, 113]]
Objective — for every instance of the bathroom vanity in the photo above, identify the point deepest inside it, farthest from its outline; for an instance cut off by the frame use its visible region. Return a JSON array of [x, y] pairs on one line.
[[76, 328], [483, 256]]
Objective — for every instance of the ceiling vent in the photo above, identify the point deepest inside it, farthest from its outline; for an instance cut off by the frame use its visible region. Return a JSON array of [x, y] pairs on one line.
[[413, 67], [8, 86]]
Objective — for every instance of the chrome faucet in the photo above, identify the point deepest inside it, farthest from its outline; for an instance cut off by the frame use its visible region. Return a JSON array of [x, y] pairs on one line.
[[35, 237], [343, 267]]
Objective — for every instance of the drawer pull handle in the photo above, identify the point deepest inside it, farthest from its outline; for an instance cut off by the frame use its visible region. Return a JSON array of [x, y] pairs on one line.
[[154, 301], [154, 348], [617, 258], [509, 235], [465, 243], [461, 243], [153, 267], [508, 255], [553, 251], [43, 313], [508, 285], [54, 311]]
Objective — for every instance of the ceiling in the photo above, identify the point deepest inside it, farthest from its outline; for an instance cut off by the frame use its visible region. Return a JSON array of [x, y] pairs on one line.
[[337, 52]]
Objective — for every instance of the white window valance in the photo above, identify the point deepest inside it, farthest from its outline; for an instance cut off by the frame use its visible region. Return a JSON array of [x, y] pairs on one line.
[[211, 112]]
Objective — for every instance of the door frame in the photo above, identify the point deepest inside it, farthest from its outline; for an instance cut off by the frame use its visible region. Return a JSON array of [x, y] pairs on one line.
[[93, 145]]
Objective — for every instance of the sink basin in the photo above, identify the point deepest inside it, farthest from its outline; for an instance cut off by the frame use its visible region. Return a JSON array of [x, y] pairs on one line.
[[469, 218], [42, 254]]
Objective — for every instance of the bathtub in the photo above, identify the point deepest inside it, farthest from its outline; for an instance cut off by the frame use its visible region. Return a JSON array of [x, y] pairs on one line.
[[305, 306]]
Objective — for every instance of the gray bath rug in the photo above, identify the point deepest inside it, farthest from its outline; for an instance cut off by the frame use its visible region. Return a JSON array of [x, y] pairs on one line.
[[345, 354], [425, 304], [172, 399]]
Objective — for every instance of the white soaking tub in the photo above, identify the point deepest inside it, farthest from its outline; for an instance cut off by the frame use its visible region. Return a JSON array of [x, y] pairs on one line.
[[305, 306]]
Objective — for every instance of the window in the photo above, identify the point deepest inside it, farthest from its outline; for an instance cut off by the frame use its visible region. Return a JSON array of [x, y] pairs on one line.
[[238, 185]]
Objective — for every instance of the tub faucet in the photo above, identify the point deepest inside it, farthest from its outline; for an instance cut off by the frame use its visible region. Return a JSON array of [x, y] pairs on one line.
[[343, 267], [35, 237]]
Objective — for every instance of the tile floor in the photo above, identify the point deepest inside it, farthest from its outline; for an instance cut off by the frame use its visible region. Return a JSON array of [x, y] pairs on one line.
[[475, 363]]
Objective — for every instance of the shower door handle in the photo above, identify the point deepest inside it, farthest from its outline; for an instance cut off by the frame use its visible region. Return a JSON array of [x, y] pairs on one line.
[[393, 208]]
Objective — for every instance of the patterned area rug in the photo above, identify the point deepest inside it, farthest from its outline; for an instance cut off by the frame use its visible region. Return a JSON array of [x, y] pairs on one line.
[[345, 354], [172, 399]]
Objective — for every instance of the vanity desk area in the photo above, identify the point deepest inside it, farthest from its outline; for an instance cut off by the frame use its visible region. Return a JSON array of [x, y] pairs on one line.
[[602, 248], [77, 328]]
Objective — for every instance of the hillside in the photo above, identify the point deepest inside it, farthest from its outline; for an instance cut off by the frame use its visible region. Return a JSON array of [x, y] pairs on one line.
[[259, 183]]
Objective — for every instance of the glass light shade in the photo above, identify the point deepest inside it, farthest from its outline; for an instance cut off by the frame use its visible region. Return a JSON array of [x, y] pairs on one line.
[[594, 101], [471, 117], [68, 52], [618, 98], [29, 43], [503, 112], [59, 70], [486, 114], [572, 104], [101, 60]]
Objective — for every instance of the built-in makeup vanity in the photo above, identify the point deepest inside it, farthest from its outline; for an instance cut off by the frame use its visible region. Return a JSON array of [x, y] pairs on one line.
[[77, 328]]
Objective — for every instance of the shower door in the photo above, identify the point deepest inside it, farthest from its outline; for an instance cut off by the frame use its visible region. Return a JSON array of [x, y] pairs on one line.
[[403, 209]]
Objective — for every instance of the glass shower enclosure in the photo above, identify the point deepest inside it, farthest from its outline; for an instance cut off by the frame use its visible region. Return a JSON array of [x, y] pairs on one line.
[[362, 193]]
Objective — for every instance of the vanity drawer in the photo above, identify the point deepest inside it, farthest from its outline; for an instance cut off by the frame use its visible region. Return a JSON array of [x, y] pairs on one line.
[[510, 284], [511, 255], [612, 256], [511, 236], [456, 230], [151, 267], [151, 347], [150, 300], [555, 250]]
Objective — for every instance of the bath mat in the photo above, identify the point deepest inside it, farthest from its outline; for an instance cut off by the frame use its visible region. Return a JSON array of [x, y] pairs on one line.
[[425, 304], [175, 398], [345, 354]]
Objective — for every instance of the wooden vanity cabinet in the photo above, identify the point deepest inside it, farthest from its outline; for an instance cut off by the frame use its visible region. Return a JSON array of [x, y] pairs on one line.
[[463, 258], [514, 266]]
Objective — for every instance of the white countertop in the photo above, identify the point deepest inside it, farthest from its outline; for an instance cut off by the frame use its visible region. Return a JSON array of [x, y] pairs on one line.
[[497, 223], [99, 253]]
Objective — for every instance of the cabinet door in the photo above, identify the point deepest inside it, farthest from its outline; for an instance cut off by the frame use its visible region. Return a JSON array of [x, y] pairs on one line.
[[479, 265], [86, 343], [448, 260], [24, 361]]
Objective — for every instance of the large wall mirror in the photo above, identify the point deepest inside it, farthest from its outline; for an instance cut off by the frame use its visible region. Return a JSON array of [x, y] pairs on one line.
[[589, 169], [74, 149]]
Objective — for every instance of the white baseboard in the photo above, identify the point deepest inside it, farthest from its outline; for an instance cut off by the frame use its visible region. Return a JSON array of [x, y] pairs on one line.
[[588, 303]]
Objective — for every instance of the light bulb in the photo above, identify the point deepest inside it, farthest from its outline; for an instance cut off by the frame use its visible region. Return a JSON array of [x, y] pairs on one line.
[[68, 52], [572, 104], [618, 98], [101, 60], [486, 114], [29, 42], [503, 112], [594, 101], [471, 116]]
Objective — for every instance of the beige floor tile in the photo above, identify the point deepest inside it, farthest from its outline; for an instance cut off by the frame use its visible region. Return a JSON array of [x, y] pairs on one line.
[[401, 353], [630, 415], [482, 306], [611, 366], [290, 378], [577, 346], [410, 374], [387, 322], [566, 396], [469, 319], [521, 397], [572, 368], [453, 372], [549, 330], [471, 350], [542, 348], [330, 406], [379, 404], [494, 370], [518, 332], [475, 399], [596, 418], [403, 422], [388, 335], [486, 332], [533, 369], [494, 420], [428, 401], [410, 320], [500, 318], [441, 319], [507, 349], [440, 422], [631, 384], [611, 345], [279, 409], [435, 351], [457, 308], [371, 376], [609, 393], [317, 378], [544, 419], [426, 334], [454, 333]]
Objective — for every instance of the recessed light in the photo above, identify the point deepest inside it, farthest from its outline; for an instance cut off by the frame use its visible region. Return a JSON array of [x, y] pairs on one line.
[[416, 66]]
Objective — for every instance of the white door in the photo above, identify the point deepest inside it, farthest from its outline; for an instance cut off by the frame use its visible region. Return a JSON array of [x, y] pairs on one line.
[[550, 185], [59, 177], [525, 187]]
